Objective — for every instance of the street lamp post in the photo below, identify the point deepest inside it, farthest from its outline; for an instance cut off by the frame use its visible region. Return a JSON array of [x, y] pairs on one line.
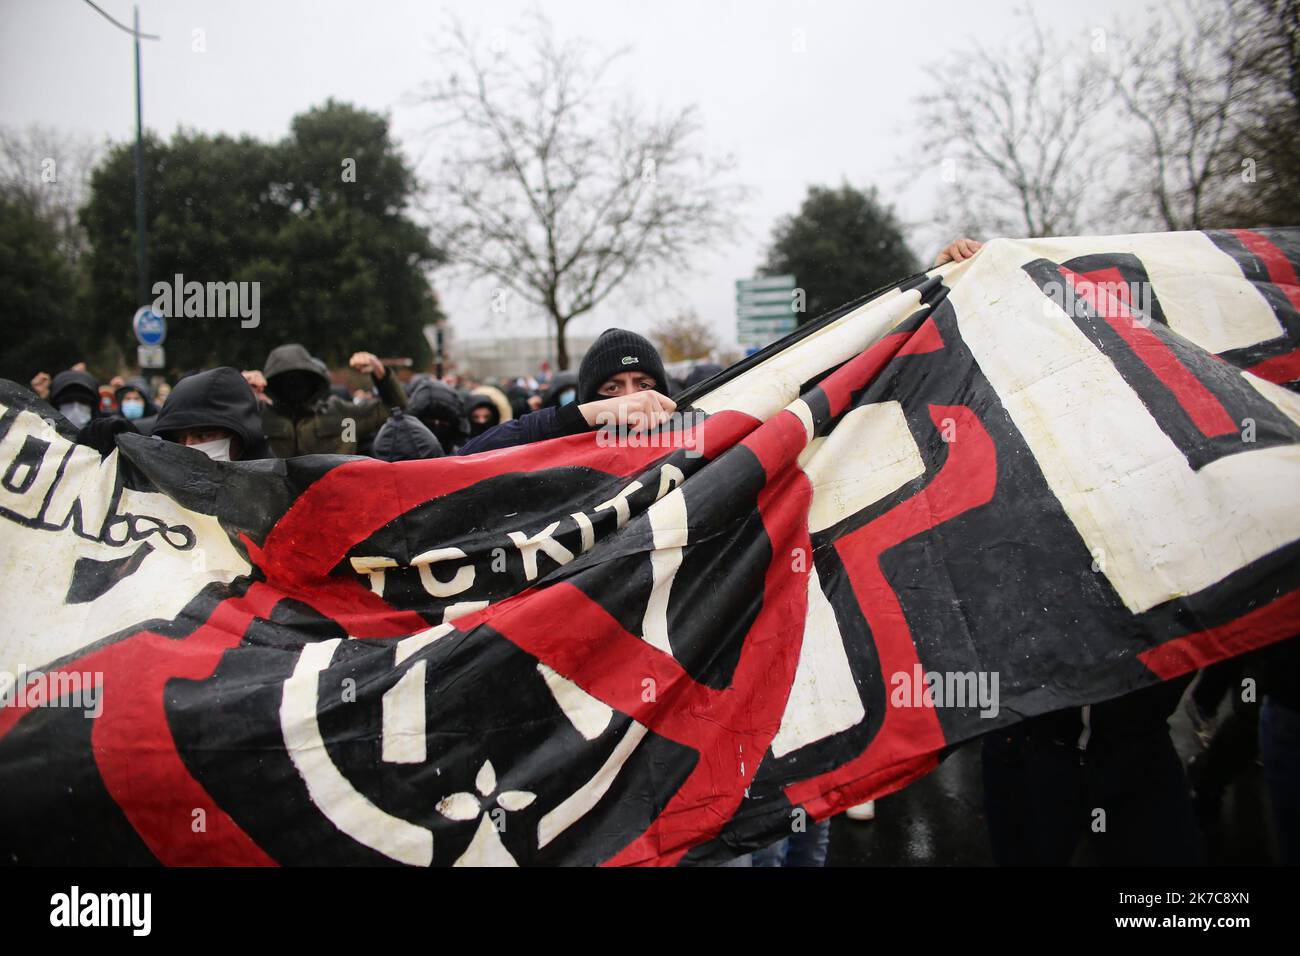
[[141, 235], [141, 227]]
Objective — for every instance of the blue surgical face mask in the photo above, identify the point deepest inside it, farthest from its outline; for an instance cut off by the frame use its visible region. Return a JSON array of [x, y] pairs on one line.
[[568, 395], [133, 408]]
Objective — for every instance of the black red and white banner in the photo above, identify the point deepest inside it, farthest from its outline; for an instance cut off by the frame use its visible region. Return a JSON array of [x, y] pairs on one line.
[[1044, 477]]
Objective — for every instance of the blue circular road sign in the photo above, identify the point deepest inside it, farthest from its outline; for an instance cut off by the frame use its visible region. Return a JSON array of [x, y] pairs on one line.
[[150, 327]]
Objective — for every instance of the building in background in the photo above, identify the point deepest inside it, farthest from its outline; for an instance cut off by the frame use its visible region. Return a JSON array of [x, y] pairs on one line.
[[513, 355]]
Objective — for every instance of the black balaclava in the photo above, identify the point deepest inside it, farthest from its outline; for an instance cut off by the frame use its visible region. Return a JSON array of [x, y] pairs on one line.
[[482, 401]]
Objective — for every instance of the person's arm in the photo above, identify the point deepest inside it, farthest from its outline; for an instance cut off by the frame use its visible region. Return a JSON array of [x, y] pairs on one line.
[[369, 416], [636, 412], [390, 389], [535, 426]]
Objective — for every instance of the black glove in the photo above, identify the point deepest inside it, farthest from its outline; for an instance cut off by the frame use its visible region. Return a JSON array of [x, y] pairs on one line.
[[101, 434]]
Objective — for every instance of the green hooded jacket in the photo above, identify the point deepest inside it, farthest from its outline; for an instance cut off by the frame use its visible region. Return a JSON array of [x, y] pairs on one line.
[[305, 419]]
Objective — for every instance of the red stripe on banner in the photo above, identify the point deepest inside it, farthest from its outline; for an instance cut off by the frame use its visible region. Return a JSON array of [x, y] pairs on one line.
[[854, 374], [1206, 411], [733, 739], [925, 339], [132, 742], [905, 746], [358, 610], [1279, 369], [730, 729], [1275, 621], [343, 507], [1280, 271], [778, 443], [137, 755], [133, 746]]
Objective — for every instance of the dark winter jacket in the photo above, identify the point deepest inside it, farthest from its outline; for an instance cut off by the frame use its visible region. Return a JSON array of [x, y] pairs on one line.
[[306, 419], [540, 425], [1278, 666]]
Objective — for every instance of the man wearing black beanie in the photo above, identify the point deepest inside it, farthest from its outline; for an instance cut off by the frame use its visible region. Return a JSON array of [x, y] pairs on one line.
[[616, 352], [619, 383]]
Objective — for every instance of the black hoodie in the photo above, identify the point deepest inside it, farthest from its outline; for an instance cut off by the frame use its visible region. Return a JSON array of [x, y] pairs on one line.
[[285, 359], [440, 408], [75, 386], [405, 438], [141, 386], [218, 398], [561, 383], [517, 396]]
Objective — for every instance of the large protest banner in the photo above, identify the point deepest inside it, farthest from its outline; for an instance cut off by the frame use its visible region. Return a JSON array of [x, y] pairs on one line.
[[1045, 477]]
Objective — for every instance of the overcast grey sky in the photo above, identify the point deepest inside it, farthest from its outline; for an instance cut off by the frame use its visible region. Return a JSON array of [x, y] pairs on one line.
[[842, 109]]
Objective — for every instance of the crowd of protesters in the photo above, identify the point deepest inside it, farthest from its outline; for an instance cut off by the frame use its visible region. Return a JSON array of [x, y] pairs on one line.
[[292, 405]]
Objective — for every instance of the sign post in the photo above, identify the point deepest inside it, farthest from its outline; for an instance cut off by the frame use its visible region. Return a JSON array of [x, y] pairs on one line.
[[764, 310], [150, 331]]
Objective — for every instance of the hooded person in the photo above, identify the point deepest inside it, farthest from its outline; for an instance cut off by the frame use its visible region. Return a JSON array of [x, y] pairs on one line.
[[405, 438], [483, 413], [621, 373], [217, 413], [135, 404], [517, 396], [440, 408], [504, 412], [76, 395], [304, 418], [562, 390], [135, 400]]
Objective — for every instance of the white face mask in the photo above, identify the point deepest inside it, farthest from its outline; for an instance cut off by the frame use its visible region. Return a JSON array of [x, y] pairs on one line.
[[76, 412], [218, 450]]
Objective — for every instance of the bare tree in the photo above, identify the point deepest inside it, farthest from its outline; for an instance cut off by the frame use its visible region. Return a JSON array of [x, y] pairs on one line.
[[1262, 165], [1185, 82], [1016, 133], [556, 192], [684, 336], [49, 170]]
